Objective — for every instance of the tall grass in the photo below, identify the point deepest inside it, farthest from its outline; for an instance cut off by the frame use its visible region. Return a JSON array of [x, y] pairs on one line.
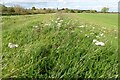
[[58, 48]]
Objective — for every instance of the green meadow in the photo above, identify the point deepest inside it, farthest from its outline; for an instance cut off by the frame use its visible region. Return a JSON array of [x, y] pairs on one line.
[[60, 46]]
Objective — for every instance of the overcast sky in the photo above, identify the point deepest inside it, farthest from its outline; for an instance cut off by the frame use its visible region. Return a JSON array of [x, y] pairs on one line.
[[73, 4]]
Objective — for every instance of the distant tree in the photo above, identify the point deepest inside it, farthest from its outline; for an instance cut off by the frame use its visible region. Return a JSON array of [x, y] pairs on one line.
[[49, 10], [62, 9], [79, 11], [10, 9], [3, 8], [104, 9], [93, 11], [44, 8], [33, 8], [19, 10], [67, 10], [72, 11]]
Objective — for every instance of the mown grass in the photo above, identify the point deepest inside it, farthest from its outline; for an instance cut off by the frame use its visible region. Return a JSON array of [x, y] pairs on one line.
[[108, 20], [57, 48]]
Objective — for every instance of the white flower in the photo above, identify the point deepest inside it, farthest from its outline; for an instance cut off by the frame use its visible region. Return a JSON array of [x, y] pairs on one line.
[[58, 18], [94, 41], [59, 24], [61, 20], [81, 31], [88, 36], [35, 26], [100, 44], [11, 45], [101, 34], [56, 22], [16, 45], [97, 36], [47, 24], [81, 26], [93, 27]]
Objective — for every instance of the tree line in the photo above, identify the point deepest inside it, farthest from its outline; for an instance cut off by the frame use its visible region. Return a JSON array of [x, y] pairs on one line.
[[18, 10]]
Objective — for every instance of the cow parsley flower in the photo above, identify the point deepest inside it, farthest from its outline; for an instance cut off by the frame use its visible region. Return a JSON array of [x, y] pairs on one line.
[[11, 45], [56, 22], [100, 44], [81, 31], [97, 36], [35, 26], [59, 24], [93, 27], [94, 40], [81, 26], [58, 18], [61, 20], [101, 34]]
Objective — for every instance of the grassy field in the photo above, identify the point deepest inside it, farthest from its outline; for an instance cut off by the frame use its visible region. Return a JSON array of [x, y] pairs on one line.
[[108, 20], [60, 46]]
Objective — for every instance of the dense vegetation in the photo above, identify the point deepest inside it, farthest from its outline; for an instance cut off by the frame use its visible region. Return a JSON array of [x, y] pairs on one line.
[[15, 10], [60, 46]]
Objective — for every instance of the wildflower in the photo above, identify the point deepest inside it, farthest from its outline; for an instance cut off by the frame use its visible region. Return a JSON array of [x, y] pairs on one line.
[[88, 36], [101, 34], [81, 31], [59, 24], [35, 26], [97, 36], [61, 20], [56, 22], [58, 18], [100, 44], [93, 27], [81, 26], [11, 45], [94, 41], [47, 24]]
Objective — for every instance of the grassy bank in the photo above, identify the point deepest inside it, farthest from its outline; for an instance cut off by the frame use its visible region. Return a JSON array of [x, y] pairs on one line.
[[60, 46]]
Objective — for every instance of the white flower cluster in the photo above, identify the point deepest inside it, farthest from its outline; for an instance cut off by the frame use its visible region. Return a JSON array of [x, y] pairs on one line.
[[11, 45], [82, 26], [35, 26], [98, 43]]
